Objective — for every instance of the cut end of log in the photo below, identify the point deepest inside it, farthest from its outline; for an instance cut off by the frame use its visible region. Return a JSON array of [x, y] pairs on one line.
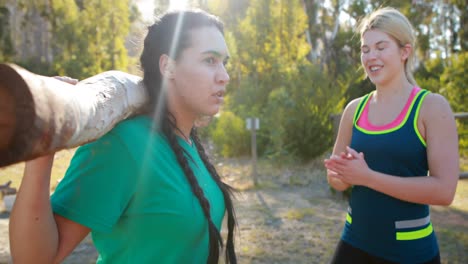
[[7, 116], [40, 114], [16, 113]]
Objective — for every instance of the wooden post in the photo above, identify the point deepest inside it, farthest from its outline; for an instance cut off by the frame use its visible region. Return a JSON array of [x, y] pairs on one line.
[[253, 124], [335, 118], [40, 115], [462, 116], [254, 153], [464, 175]]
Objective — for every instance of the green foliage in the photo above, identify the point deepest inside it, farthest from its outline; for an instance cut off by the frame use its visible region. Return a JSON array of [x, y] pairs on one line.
[[65, 19], [160, 6], [450, 81], [293, 63], [272, 77], [453, 86], [462, 32], [77, 38], [454, 80], [428, 74], [299, 113], [270, 57], [230, 135], [103, 28], [38, 67], [7, 51], [358, 87]]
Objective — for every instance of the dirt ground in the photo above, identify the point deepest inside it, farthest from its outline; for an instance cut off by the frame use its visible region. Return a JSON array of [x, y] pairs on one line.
[[290, 217], [274, 227]]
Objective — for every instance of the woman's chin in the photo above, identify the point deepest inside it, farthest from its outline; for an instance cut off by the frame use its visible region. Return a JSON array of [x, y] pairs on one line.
[[211, 112]]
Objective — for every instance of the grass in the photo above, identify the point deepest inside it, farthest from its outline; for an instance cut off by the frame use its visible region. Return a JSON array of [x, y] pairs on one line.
[[464, 164], [291, 216], [14, 173], [298, 213], [451, 225]]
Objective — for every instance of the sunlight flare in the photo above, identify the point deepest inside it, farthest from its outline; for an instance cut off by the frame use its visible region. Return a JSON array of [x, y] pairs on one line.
[[178, 4]]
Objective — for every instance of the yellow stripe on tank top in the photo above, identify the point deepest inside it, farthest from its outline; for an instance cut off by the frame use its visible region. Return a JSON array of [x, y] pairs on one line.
[[412, 235]]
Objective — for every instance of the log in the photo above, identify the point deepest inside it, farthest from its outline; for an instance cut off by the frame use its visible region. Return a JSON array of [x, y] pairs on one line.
[[41, 115]]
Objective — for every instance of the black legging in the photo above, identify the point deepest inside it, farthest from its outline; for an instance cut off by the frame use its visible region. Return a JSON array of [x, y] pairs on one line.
[[347, 254]]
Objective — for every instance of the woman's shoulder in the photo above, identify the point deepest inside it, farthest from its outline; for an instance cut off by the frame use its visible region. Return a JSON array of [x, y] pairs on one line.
[[435, 98], [351, 107], [128, 133], [140, 122], [435, 104], [134, 128], [435, 109], [355, 102]]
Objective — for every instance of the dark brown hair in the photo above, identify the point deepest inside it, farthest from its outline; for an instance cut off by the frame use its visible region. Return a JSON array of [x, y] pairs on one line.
[[170, 35]]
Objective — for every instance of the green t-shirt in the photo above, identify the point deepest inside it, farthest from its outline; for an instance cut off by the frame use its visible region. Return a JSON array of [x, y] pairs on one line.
[[129, 189]]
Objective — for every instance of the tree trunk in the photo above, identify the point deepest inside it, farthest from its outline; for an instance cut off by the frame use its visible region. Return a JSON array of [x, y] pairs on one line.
[[40, 115]]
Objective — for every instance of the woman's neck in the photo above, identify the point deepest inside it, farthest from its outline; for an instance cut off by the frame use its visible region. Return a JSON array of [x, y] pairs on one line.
[[184, 125], [396, 89], [183, 130], [184, 118]]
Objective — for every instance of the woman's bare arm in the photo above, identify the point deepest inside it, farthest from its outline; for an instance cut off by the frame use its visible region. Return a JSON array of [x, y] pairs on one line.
[[36, 234], [442, 152], [343, 139]]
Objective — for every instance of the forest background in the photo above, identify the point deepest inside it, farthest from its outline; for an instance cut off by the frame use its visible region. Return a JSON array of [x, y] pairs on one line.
[[294, 64]]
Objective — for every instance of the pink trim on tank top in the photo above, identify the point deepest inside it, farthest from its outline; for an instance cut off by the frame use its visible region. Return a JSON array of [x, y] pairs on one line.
[[363, 120]]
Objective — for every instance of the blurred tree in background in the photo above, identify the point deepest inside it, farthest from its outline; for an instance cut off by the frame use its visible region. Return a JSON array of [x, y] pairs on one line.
[[294, 63], [67, 37]]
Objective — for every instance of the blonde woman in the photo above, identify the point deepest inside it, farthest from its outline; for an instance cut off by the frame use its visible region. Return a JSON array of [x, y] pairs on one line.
[[397, 148]]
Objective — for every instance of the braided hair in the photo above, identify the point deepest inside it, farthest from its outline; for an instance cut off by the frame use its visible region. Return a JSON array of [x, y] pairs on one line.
[[170, 35]]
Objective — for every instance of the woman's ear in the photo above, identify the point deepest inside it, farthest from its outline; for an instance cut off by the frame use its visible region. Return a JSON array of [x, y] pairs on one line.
[[406, 51], [166, 66]]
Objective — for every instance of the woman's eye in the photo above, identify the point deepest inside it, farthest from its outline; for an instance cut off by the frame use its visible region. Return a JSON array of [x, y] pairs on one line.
[[210, 60], [364, 50]]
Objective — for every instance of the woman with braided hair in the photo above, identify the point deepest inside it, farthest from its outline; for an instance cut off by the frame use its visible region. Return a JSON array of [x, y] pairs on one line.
[[146, 190]]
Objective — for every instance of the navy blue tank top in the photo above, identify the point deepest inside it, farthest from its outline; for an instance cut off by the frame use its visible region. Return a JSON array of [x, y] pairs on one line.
[[379, 224]]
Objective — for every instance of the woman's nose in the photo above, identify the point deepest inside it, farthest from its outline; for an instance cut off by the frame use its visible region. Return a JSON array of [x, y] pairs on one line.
[[222, 75], [373, 53]]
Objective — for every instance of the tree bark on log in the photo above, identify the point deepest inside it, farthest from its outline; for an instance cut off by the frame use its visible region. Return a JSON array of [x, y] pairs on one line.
[[41, 115]]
